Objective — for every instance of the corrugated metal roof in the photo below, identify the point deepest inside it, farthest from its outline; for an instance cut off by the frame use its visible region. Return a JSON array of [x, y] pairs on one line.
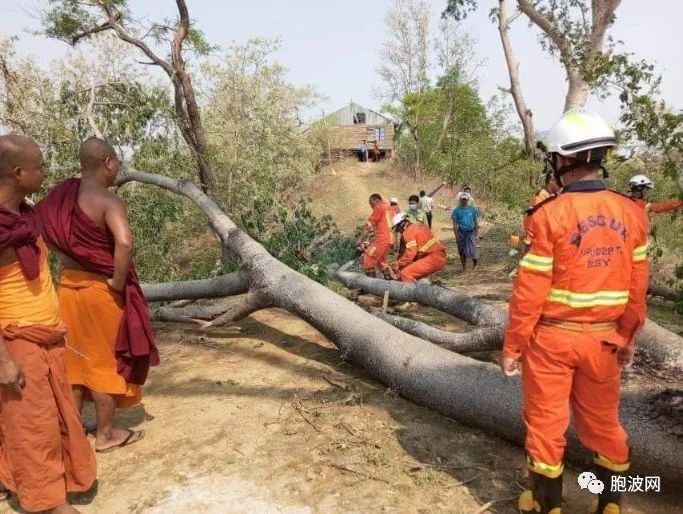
[[347, 114]]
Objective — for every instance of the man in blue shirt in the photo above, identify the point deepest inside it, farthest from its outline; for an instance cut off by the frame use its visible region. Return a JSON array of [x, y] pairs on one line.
[[466, 229]]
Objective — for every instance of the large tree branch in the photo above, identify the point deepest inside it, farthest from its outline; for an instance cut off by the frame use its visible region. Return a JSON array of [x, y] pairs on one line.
[[472, 310], [478, 340], [218, 287], [524, 113], [553, 32], [603, 15]]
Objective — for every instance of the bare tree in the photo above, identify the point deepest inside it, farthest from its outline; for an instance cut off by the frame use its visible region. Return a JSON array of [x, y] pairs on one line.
[[75, 20], [524, 113], [404, 56]]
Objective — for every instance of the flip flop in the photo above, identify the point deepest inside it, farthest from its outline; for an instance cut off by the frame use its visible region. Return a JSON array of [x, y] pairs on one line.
[[127, 441]]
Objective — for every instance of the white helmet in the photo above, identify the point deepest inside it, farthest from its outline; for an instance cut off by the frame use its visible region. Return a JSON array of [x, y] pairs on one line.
[[398, 219], [640, 181], [579, 130], [393, 200]]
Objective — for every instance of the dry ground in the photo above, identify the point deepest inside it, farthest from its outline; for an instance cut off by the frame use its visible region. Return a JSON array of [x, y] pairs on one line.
[[265, 418]]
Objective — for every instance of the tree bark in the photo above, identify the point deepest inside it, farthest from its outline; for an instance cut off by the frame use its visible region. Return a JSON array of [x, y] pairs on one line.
[[473, 392], [663, 292], [472, 310], [478, 340], [225, 285], [524, 113]]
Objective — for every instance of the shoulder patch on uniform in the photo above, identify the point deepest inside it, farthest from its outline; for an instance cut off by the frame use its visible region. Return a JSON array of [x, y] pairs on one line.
[[541, 204]]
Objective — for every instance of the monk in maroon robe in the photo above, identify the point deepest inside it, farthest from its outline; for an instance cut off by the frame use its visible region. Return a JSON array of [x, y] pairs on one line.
[[100, 296]]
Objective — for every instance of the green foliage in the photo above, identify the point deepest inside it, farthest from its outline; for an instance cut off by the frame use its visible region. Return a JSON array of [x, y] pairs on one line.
[[66, 19], [459, 9], [295, 236], [252, 126]]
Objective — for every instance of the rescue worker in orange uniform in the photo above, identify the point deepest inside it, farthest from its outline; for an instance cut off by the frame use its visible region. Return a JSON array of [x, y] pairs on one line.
[[424, 254], [376, 252], [577, 303], [640, 186]]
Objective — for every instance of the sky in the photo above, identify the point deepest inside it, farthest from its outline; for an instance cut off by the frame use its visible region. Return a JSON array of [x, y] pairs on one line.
[[334, 45]]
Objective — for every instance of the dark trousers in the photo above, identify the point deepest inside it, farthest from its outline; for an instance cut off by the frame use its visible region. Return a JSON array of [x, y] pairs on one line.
[[429, 219]]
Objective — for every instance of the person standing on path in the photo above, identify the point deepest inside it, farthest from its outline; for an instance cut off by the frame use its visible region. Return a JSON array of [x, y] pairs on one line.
[[466, 230], [427, 203]]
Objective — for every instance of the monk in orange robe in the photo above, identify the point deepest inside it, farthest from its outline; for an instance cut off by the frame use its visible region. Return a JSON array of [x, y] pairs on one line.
[[44, 452], [101, 302]]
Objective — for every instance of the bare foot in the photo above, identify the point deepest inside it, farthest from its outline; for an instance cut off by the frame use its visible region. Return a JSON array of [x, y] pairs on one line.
[[117, 439], [65, 509]]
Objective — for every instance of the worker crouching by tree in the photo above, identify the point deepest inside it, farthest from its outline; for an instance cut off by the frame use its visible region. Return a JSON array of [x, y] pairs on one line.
[[376, 252], [577, 303], [424, 254]]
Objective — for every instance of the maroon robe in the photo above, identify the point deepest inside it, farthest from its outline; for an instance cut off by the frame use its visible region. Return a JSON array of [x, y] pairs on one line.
[[20, 231], [68, 229]]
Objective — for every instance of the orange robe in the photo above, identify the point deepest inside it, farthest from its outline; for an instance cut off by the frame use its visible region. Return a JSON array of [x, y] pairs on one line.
[[44, 452], [92, 314]]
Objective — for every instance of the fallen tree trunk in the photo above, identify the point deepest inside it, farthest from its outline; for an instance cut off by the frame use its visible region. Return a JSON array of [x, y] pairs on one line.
[[473, 310], [478, 340], [663, 292], [654, 344], [470, 391], [226, 285]]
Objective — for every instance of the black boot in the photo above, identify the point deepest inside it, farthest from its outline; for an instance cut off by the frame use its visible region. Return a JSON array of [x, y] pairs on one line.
[[609, 501], [545, 496]]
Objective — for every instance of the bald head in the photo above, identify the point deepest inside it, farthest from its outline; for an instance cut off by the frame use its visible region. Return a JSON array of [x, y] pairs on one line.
[[93, 154], [16, 151]]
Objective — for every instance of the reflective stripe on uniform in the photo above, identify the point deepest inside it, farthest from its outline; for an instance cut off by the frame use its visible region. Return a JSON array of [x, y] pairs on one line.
[[537, 262], [428, 244], [371, 251], [640, 253], [410, 244], [548, 470], [587, 300], [606, 463]]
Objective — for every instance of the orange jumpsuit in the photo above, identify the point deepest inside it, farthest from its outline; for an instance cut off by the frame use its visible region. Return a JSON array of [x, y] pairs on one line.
[[375, 255], [578, 298], [423, 256], [659, 207]]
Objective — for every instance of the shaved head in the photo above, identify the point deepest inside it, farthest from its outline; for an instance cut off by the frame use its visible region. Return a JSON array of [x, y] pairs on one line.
[[16, 151], [93, 153]]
